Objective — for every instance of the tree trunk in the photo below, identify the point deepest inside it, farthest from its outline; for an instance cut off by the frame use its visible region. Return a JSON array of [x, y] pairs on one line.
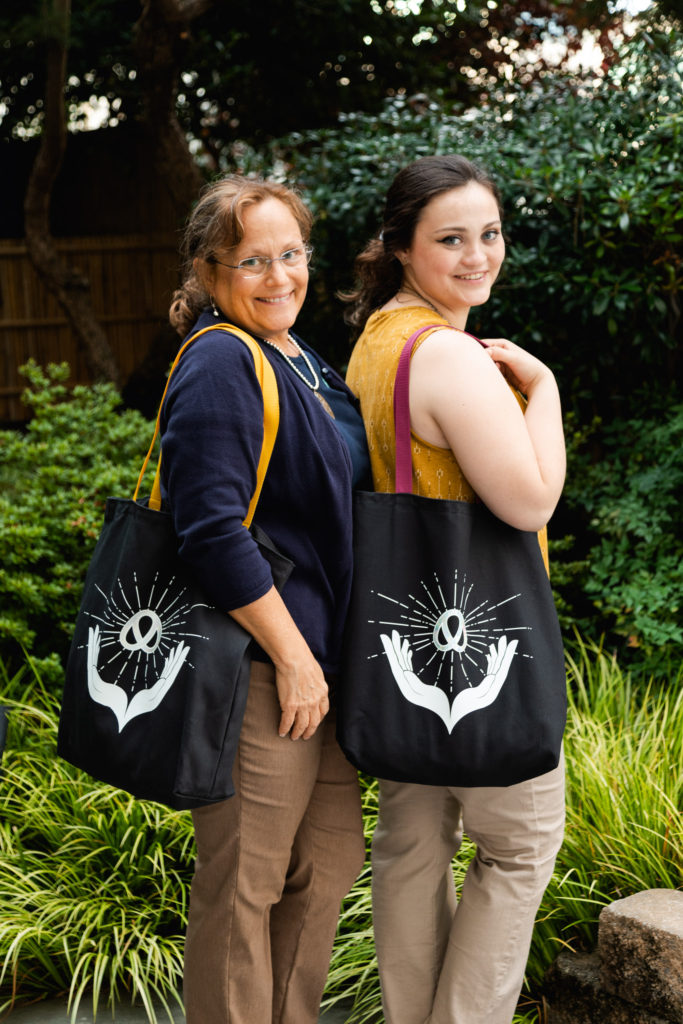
[[160, 36], [70, 287]]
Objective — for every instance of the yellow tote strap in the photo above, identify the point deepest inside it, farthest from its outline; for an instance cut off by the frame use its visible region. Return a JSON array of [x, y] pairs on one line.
[[271, 417]]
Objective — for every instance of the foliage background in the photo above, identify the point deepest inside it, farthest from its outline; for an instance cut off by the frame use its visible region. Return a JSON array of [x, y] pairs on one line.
[[280, 65], [589, 169], [55, 478], [589, 173], [93, 886]]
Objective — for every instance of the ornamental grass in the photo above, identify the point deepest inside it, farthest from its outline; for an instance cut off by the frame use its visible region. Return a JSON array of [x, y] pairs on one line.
[[94, 884]]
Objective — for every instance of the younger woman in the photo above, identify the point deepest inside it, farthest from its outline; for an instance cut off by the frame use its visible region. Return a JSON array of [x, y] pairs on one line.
[[439, 253]]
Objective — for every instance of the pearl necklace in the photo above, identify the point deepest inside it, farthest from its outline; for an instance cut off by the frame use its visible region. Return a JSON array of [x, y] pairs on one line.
[[315, 386]]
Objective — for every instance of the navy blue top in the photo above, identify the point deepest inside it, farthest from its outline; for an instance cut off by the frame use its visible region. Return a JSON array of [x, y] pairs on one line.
[[212, 433], [346, 417]]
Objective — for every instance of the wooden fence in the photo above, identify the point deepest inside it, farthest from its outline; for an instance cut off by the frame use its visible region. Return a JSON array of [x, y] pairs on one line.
[[131, 280]]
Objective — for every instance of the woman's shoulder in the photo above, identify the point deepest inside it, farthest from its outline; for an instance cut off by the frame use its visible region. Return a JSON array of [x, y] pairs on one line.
[[387, 331], [214, 365], [209, 336], [375, 355], [393, 319], [212, 349]]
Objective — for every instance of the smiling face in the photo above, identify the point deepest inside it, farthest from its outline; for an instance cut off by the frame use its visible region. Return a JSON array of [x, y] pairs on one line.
[[456, 251], [269, 304]]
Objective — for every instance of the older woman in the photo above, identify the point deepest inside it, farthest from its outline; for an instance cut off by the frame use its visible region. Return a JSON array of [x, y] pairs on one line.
[[440, 251], [274, 861]]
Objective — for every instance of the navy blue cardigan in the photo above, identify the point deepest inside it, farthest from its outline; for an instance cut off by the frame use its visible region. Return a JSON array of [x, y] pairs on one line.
[[212, 432]]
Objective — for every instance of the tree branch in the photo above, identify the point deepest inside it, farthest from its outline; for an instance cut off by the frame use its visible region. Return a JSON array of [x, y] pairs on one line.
[[160, 35], [70, 287]]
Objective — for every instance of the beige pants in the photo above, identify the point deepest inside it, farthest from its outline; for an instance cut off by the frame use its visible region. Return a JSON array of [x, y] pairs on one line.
[[443, 962], [273, 864]]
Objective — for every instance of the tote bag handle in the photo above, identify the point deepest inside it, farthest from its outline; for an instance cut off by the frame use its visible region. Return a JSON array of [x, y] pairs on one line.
[[271, 417], [404, 468]]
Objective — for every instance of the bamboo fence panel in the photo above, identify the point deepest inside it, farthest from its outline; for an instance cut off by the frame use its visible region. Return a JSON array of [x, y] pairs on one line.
[[132, 278]]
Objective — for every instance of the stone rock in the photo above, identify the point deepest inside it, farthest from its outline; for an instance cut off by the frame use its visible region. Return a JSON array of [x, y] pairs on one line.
[[575, 996], [640, 939]]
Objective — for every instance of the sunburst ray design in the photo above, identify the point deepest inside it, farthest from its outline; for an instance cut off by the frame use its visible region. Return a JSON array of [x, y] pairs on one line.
[[138, 645], [166, 610], [452, 638]]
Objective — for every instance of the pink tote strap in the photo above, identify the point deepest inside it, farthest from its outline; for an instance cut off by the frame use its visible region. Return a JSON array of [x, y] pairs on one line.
[[404, 468]]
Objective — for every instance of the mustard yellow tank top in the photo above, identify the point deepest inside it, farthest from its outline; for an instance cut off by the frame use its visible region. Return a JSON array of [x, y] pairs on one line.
[[371, 374]]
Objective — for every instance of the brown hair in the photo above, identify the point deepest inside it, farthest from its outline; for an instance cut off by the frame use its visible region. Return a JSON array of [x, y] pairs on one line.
[[216, 224], [378, 272]]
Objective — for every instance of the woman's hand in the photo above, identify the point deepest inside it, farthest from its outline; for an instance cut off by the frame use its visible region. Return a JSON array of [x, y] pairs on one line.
[[303, 695], [520, 369], [301, 686]]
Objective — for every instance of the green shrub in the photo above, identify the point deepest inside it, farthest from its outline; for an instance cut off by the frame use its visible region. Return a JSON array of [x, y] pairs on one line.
[[588, 171], [55, 477], [629, 501]]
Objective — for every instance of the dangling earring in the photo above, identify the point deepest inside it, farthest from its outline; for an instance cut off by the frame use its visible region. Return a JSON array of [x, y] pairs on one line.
[[214, 307]]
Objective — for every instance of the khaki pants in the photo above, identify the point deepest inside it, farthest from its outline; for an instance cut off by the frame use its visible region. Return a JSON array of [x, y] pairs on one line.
[[273, 864], [443, 962]]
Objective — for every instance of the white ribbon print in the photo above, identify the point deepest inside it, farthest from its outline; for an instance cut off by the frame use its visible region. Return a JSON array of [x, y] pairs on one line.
[[498, 661], [115, 697]]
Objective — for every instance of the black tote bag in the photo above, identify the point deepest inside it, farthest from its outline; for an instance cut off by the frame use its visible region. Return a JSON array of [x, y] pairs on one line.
[[453, 664], [157, 678]]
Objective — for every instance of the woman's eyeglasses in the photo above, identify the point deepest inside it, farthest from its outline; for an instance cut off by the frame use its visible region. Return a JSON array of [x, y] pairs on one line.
[[255, 266]]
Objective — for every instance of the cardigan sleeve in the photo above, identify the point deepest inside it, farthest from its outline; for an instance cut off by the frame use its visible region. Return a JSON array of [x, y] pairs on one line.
[[211, 438]]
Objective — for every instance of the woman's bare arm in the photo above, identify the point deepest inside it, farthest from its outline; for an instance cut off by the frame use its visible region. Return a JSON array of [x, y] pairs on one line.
[[460, 399]]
